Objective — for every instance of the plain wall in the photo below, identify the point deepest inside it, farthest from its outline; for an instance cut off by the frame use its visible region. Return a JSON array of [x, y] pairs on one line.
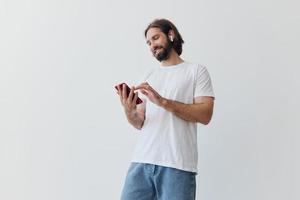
[[63, 132]]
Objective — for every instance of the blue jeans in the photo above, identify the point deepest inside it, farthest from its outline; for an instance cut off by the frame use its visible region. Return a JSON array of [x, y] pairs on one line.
[[153, 182]]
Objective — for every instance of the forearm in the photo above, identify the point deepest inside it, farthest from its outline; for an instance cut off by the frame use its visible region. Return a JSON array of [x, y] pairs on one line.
[[135, 119], [199, 112]]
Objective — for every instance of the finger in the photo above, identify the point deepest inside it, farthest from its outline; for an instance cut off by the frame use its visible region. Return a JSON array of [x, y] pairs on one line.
[[135, 97], [131, 93], [143, 83], [121, 99], [141, 87], [144, 92], [120, 95], [118, 89], [124, 92]]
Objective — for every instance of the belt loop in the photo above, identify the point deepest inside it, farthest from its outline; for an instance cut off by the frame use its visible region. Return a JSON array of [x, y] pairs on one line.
[[154, 169]]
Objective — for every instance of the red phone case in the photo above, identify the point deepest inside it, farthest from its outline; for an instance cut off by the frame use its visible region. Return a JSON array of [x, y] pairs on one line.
[[138, 101]]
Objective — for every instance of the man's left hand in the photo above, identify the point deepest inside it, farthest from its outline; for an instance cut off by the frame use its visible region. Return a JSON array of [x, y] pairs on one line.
[[149, 92]]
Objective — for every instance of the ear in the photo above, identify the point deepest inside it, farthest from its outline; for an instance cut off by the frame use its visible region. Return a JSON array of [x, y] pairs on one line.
[[171, 35]]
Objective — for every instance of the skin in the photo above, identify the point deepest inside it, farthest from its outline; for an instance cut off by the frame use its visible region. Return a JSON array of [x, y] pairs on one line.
[[200, 111]]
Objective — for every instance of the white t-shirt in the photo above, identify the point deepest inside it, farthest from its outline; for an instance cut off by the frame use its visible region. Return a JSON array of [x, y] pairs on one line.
[[166, 139]]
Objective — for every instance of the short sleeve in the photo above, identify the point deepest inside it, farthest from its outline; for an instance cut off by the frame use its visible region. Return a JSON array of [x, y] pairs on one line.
[[203, 85]]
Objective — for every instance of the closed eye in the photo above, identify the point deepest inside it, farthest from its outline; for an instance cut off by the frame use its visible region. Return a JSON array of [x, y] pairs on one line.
[[155, 37]]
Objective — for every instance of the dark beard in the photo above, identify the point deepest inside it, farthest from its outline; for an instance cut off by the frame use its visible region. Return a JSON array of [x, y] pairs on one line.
[[165, 52]]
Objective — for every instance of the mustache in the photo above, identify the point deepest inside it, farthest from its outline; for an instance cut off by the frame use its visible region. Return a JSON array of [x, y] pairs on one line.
[[157, 47]]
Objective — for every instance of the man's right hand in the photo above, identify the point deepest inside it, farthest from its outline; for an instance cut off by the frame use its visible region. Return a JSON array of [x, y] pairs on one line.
[[128, 102], [135, 114]]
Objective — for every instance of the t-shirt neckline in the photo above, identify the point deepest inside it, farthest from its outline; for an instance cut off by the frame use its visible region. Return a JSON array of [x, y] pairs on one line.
[[172, 66]]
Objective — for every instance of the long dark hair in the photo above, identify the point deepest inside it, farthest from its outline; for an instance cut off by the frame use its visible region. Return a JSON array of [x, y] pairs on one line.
[[165, 26]]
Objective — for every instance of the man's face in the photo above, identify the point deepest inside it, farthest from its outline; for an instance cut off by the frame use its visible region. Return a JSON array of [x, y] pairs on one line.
[[159, 44]]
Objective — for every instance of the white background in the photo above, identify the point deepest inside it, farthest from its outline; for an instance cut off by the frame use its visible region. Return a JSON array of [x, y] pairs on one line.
[[63, 133]]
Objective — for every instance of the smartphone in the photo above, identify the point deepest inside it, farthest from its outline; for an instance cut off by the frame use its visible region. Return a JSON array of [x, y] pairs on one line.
[[138, 101]]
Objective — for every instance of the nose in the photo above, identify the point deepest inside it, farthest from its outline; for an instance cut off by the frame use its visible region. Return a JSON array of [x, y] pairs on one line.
[[152, 47]]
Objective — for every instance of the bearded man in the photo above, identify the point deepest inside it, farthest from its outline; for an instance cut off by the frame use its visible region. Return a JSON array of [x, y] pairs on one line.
[[179, 95]]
